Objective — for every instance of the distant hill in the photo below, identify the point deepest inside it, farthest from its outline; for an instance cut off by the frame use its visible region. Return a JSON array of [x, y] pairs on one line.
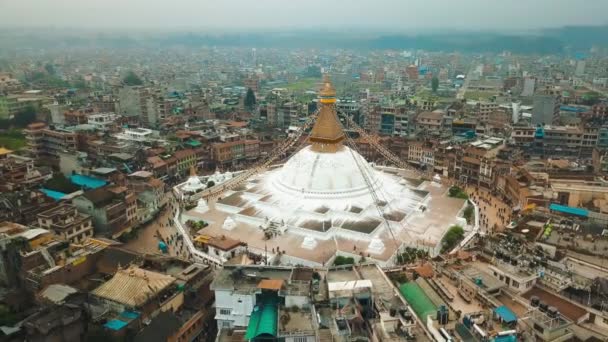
[[542, 42]]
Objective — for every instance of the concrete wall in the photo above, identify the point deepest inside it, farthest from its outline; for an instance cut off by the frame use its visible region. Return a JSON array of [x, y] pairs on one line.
[[240, 306]]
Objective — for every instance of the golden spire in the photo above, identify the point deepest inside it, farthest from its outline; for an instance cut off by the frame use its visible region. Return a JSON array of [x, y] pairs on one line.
[[327, 134], [192, 171]]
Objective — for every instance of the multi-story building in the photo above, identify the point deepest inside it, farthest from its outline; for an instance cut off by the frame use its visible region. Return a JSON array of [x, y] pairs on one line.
[[546, 107], [482, 109], [65, 221], [421, 152], [18, 172], [476, 162], [430, 121], [149, 191], [12, 105], [73, 117], [102, 121], [112, 209], [556, 141], [43, 142], [232, 152]]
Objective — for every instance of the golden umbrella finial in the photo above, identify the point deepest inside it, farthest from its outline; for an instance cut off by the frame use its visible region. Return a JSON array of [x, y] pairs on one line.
[[327, 93]]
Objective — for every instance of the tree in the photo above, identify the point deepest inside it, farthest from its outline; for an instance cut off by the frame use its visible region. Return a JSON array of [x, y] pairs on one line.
[[60, 183], [50, 69], [25, 117], [249, 99], [341, 260], [132, 79], [434, 84], [451, 238], [210, 184], [469, 213]]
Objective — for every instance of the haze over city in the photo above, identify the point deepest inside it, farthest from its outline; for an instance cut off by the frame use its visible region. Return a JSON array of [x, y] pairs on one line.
[[304, 171], [388, 15]]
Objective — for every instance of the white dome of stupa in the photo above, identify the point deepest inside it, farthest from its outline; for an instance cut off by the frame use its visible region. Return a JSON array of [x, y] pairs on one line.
[[193, 184], [334, 174]]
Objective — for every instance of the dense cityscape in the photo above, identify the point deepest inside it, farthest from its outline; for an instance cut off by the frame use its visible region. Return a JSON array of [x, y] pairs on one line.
[[303, 187]]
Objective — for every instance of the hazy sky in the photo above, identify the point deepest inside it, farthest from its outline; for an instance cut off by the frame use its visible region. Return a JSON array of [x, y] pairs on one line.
[[405, 15]]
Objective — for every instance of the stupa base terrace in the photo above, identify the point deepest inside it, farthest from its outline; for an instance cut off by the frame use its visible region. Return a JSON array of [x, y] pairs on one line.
[[311, 231]]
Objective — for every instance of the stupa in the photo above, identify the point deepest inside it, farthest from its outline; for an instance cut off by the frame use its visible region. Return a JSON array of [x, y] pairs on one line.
[[325, 187], [327, 197], [193, 184]]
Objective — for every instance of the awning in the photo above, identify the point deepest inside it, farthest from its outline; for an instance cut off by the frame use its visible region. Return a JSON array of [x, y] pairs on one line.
[[505, 314]]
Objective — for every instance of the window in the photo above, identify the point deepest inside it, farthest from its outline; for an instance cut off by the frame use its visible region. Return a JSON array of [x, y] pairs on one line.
[[299, 339], [224, 311], [225, 324]]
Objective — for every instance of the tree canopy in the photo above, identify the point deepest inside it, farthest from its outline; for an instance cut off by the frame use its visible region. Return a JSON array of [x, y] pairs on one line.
[[451, 238], [249, 99], [342, 260], [131, 79], [434, 84], [25, 117], [50, 69]]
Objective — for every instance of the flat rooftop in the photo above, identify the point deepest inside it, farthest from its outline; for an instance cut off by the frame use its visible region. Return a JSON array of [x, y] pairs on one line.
[[565, 307]]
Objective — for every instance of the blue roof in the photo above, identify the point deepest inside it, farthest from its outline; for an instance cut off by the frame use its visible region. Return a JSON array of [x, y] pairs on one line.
[[572, 109], [569, 210], [506, 338], [505, 314], [115, 324], [129, 314], [87, 181], [56, 195]]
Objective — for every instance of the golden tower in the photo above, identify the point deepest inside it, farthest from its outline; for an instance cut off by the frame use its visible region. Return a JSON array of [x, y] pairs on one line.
[[327, 134]]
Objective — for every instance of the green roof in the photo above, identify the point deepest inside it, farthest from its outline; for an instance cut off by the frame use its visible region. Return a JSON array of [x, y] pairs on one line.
[[263, 320], [418, 300], [194, 143]]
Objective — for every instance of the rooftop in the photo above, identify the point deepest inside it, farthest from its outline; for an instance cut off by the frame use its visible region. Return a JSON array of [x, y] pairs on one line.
[[133, 286]]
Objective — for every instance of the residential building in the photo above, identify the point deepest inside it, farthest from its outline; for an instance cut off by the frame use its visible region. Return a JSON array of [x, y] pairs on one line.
[[19, 172], [44, 142], [430, 121], [546, 108], [102, 121], [65, 221], [12, 105], [112, 209], [149, 191]]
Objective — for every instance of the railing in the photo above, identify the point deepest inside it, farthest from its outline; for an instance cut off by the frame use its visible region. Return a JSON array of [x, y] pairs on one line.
[[190, 245]]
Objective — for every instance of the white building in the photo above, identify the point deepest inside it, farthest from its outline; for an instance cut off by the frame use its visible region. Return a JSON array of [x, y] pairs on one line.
[[137, 134], [102, 121]]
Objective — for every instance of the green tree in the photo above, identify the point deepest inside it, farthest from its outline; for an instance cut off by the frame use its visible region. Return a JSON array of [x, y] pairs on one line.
[[60, 183], [451, 238], [25, 117], [132, 79], [341, 260], [50, 69], [469, 213], [249, 99], [434, 84]]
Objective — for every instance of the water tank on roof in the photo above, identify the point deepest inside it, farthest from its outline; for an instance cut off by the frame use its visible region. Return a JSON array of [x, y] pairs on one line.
[[552, 311], [534, 301], [543, 306]]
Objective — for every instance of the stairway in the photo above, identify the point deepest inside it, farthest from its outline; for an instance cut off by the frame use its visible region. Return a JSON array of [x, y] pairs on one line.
[[49, 259], [325, 336]]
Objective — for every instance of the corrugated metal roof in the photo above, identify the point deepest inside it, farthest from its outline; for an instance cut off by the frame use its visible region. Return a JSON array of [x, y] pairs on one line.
[[133, 286]]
